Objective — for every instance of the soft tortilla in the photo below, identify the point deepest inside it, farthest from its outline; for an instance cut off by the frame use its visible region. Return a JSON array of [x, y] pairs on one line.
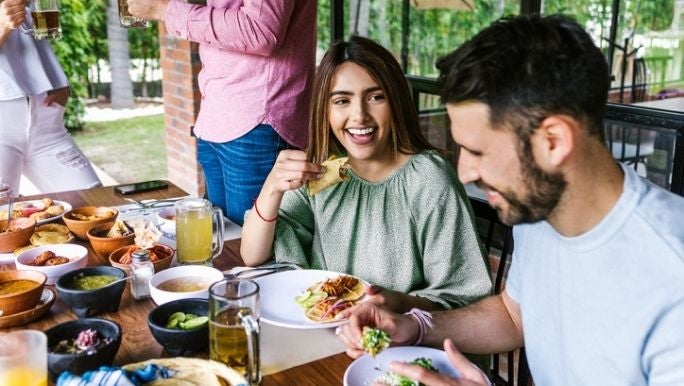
[[193, 372], [51, 234], [335, 171]]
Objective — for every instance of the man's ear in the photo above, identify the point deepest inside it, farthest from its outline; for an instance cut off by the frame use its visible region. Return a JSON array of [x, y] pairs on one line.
[[554, 140]]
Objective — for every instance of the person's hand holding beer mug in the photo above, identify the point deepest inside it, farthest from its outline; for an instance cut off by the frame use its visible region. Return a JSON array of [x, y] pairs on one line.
[[146, 9], [12, 14]]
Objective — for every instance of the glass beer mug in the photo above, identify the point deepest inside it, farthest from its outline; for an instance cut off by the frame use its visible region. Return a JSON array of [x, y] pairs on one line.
[[234, 326], [199, 231], [45, 18], [129, 21]]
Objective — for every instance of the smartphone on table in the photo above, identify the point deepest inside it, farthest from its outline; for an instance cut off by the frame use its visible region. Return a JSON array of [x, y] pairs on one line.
[[140, 187]]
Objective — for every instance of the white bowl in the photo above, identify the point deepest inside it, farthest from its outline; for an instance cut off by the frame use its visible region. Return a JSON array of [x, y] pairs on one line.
[[77, 254], [210, 275], [166, 219]]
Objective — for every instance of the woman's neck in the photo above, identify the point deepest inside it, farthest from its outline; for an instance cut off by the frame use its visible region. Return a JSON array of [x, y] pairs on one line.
[[378, 170]]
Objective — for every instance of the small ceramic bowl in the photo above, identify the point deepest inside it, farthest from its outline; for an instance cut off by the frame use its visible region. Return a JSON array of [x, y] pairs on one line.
[[77, 255], [180, 342], [87, 303], [166, 220], [79, 363], [200, 274], [98, 214], [103, 245], [159, 265], [24, 299], [9, 241]]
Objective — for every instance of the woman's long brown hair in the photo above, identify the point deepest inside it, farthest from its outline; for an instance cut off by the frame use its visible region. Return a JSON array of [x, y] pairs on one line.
[[405, 131]]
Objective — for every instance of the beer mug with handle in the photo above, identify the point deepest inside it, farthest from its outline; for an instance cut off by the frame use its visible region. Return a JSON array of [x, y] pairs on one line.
[[234, 326], [45, 20], [199, 231], [129, 21]]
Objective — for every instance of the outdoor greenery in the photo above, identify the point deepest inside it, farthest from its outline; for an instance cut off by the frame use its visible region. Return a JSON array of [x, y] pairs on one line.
[[431, 34], [84, 42], [129, 150]]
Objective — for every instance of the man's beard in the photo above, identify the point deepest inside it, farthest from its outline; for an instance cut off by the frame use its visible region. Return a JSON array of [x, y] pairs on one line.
[[544, 191]]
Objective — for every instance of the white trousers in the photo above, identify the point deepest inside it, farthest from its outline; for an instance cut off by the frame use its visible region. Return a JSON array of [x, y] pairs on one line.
[[35, 143]]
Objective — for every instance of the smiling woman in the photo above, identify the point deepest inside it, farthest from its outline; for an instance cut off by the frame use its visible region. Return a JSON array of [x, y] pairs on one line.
[[400, 221]]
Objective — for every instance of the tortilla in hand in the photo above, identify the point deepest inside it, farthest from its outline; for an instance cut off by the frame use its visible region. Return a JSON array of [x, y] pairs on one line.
[[335, 171]]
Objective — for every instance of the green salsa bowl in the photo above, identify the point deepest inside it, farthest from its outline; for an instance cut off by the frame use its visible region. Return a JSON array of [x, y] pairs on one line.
[[92, 290]]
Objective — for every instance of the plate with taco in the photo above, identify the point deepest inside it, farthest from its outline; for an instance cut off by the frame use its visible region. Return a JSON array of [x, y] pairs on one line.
[[308, 299]]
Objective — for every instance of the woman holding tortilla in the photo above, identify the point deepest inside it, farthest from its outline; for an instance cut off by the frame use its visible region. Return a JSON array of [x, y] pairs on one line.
[[400, 220]]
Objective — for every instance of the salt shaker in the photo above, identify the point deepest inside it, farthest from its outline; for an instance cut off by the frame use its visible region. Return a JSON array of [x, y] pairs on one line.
[[142, 270]]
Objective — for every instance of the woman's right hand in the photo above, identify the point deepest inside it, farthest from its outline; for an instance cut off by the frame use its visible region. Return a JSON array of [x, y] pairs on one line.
[[291, 171], [12, 13]]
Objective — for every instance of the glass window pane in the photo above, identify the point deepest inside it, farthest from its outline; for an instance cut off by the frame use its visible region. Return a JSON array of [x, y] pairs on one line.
[[433, 32], [648, 49]]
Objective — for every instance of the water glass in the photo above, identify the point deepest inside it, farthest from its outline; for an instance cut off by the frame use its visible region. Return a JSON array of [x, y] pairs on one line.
[[23, 358], [234, 326]]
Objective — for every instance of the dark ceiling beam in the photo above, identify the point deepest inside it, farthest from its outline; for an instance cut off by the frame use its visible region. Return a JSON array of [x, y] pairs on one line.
[[336, 21]]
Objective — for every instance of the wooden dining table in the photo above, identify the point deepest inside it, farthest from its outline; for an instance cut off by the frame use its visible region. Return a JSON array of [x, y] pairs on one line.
[[137, 342]]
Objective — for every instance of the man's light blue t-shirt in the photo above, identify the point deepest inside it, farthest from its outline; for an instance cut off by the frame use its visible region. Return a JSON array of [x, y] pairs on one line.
[[606, 307]]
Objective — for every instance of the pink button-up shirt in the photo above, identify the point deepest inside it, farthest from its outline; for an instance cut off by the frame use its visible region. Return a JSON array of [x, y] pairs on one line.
[[258, 59]]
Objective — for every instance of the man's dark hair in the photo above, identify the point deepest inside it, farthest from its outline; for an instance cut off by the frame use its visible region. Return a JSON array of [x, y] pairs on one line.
[[526, 68]]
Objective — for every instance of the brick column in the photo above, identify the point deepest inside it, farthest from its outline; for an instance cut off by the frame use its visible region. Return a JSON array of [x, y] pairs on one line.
[[180, 64]]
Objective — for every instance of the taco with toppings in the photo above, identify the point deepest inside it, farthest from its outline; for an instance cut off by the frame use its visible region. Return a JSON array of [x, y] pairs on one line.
[[324, 300]]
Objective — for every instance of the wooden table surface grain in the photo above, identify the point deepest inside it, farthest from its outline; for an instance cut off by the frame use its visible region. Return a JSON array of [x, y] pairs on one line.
[[137, 342]]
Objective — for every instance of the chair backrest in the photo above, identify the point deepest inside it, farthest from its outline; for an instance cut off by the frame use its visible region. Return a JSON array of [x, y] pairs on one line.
[[509, 368]]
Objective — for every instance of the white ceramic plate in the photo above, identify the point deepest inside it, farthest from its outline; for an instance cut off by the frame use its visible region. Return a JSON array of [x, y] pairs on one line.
[[365, 370], [278, 292], [65, 205]]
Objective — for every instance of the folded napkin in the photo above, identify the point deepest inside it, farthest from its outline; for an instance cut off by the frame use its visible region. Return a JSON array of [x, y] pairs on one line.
[[115, 376]]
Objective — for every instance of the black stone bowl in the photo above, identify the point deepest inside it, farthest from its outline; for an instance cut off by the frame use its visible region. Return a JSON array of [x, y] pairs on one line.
[[180, 342], [79, 363], [87, 303]]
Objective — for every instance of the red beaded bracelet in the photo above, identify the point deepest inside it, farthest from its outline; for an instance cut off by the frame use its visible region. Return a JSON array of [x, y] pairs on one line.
[[256, 208]]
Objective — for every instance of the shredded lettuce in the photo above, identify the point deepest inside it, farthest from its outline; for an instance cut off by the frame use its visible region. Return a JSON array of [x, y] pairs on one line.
[[374, 340], [394, 379]]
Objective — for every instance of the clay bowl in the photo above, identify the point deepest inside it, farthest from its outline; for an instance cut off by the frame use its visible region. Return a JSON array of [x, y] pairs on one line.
[[99, 215], [9, 241], [79, 363], [24, 299], [103, 245], [159, 265]]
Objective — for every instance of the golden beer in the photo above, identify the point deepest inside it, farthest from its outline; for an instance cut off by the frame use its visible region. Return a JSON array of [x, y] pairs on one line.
[[46, 24], [228, 339]]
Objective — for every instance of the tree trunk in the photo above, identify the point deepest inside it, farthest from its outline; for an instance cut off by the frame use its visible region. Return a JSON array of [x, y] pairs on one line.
[[119, 60]]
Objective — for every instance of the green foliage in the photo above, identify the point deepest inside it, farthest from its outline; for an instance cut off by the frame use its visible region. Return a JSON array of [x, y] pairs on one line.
[[323, 29], [84, 42], [74, 54]]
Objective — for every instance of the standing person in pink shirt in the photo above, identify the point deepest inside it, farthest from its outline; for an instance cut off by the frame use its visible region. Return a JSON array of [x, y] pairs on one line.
[[258, 59]]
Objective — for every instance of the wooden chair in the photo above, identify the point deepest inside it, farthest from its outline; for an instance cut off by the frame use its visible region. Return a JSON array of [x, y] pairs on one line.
[[508, 368]]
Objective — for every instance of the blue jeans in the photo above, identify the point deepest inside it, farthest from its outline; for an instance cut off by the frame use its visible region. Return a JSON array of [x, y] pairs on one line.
[[235, 171]]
